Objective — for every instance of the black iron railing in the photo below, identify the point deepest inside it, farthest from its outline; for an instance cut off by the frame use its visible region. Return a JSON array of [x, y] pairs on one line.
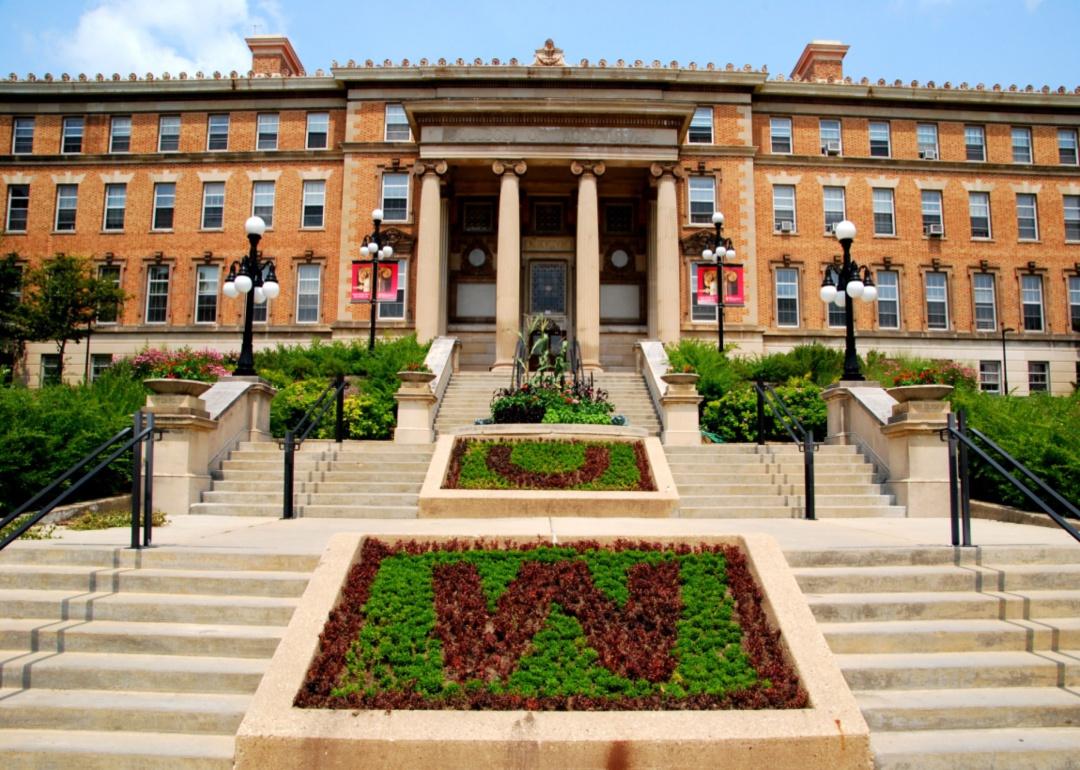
[[295, 436], [139, 439], [803, 437], [961, 438]]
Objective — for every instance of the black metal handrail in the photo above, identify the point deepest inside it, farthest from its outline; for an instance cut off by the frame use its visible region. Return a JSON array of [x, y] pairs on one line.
[[142, 494], [802, 436], [959, 435], [518, 375], [295, 436]]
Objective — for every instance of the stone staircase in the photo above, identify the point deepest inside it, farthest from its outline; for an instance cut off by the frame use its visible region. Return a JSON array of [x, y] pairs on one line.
[[115, 659], [959, 659], [354, 479], [468, 398], [750, 481], [630, 395]]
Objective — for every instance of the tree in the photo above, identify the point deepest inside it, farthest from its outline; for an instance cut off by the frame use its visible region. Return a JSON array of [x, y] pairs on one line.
[[63, 298], [14, 331]]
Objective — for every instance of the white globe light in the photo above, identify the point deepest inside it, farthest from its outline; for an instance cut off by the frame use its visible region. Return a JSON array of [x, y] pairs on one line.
[[730, 254], [855, 288], [840, 300], [717, 218], [260, 295], [827, 293], [255, 226], [243, 284], [229, 289], [364, 251], [844, 230], [377, 215], [707, 254], [271, 289], [869, 293], [387, 251]]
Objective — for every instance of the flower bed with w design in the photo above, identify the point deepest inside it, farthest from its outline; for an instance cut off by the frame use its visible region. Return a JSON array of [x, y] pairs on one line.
[[584, 627]]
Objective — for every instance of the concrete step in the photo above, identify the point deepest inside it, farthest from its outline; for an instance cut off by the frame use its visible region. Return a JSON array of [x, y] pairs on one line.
[[937, 604], [934, 555], [770, 499], [720, 476], [340, 487], [746, 488], [1021, 748], [147, 673], [792, 512], [370, 464], [943, 578], [959, 670], [156, 581], [756, 449], [111, 750], [320, 498], [738, 462], [171, 557], [952, 635], [278, 477], [358, 512], [987, 708]]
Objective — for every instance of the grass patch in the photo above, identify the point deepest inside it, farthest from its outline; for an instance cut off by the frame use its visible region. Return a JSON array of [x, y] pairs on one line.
[[108, 520]]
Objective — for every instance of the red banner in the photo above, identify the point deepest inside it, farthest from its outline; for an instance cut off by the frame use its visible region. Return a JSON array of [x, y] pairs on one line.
[[387, 284], [708, 289]]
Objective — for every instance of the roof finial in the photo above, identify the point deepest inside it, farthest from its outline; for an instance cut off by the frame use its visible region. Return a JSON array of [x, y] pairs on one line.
[[549, 55]]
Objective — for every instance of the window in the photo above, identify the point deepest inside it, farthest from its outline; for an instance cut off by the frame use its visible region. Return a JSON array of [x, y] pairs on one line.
[[67, 202], [990, 376], [262, 201], [1027, 217], [108, 314], [164, 205], [829, 134], [1021, 145], [266, 131], [888, 301], [783, 196], [979, 209], [71, 141], [975, 143], [926, 135], [396, 308], [115, 201], [1074, 302], [699, 311], [780, 135], [982, 286], [701, 126], [937, 301], [548, 217], [836, 316], [213, 205], [702, 199], [318, 129], [157, 294], [932, 220], [479, 217], [261, 312], [206, 293], [314, 199], [397, 125], [618, 218], [834, 207], [1031, 297], [1072, 217], [22, 142], [217, 133], [395, 197], [99, 362], [884, 215], [120, 133], [18, 207], [1038, 376], [308, 290], [787, 296], [880, 145], [1067, 146], [50, 369], [169, 133]]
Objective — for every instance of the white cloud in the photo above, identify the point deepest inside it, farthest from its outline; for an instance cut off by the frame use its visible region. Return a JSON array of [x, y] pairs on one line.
[[161, 36], [1032, 5]]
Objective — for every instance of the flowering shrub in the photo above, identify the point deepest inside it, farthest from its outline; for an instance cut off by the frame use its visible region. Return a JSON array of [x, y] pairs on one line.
[[892, 372], [564, 402], [182, 364]]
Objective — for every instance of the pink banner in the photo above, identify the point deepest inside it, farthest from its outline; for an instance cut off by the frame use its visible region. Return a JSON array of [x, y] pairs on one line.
[[708, 288], [361, 281]]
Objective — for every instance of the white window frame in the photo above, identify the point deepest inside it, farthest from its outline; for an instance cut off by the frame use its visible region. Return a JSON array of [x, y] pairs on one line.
[[119, 277], [699, 313], [303, 282], [1067, 137], [831, 213], [117, 130], [784, 134], [984, 296], [211, 135], [1031, 295], [701, 122], [835, 317], [1071, 206], [788, 272], [261, 314], [207, 278], [150, 283], [878, 126], [403, 275], [884, 290], [160, 193], [121, 190], [72, 127], [878, 196], [1073, 287], [1034, 375], [974, 132], [976, 201], [1023, 133], [1027, 209], [700, 189], [313, 190], [10, 207], [206, 195], [932, 295], [170, 122], [19, 126], [264, 135], [312, 130], [260, 187], [50, 362], [824, 141], [794, 216], [922, 129], [392, 125], [990, 377], [61, 197], [929, 200], [396, 178]]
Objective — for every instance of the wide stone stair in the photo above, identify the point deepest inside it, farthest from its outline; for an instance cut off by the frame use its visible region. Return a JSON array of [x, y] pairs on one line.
[[115, 659], [628, 392], [468, 398], [751, 481], [960, 659], [354, 479]]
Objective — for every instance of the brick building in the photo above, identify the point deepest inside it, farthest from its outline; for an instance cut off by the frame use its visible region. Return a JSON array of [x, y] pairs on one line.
[[582, 191]]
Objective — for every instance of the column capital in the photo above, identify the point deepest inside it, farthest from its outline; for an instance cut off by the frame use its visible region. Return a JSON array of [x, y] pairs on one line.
[[501, 167], [422, 167], [659, 170], [594, 167]]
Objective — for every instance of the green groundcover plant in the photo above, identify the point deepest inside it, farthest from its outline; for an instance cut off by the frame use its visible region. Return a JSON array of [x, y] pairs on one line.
[[577, 627]]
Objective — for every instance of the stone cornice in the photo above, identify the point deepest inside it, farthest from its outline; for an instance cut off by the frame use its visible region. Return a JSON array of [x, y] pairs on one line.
[[896, 165], [176, 159], [459, 114]]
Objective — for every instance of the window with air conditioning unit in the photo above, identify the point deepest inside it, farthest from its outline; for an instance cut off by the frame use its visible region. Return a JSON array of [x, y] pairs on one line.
[[787, 226], [928, 154], [830, 228], [830, 148], [934, 231]]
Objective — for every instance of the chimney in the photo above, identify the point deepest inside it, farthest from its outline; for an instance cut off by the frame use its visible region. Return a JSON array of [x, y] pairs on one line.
[[821, 60], [273, 55]]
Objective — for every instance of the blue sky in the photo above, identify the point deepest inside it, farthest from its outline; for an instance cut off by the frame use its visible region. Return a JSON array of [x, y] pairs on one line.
[[988, 41]]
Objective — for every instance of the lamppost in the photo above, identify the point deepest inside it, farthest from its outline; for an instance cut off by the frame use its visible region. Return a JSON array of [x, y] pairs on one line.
[[842, 287], [717, 247], [1004, 361], [374, 248], [245, 276]]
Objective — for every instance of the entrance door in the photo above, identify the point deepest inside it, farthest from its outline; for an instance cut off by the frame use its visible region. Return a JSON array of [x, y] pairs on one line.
[[548, 295]]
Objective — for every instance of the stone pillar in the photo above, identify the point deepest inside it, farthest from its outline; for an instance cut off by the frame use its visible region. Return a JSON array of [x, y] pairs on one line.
[[587, 267], [668, 310], [680, 404], [416, 403], [918, 458], [181, 457], [429, 267], [508, 263]]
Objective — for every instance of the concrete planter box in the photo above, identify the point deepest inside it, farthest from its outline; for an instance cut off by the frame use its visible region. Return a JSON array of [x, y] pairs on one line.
[[436, 502], [829, 735]]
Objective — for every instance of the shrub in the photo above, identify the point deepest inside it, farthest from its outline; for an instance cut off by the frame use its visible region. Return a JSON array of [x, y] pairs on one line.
[[552, 402], [182, 364], [816, 363], [907, 370], [734, 416], [367, 416], [718, 374]]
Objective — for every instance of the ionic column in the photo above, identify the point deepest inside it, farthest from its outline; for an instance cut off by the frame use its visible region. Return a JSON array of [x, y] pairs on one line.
[[667, 252], [508, 263], [587, 268], [429, 259]]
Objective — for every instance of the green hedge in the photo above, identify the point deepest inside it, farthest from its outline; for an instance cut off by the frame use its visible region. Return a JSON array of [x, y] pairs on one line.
[[733, 416]]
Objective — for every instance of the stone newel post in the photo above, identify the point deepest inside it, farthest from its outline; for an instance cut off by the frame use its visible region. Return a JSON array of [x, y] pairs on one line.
[[680, 405], [415, 402], [918, 458]]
